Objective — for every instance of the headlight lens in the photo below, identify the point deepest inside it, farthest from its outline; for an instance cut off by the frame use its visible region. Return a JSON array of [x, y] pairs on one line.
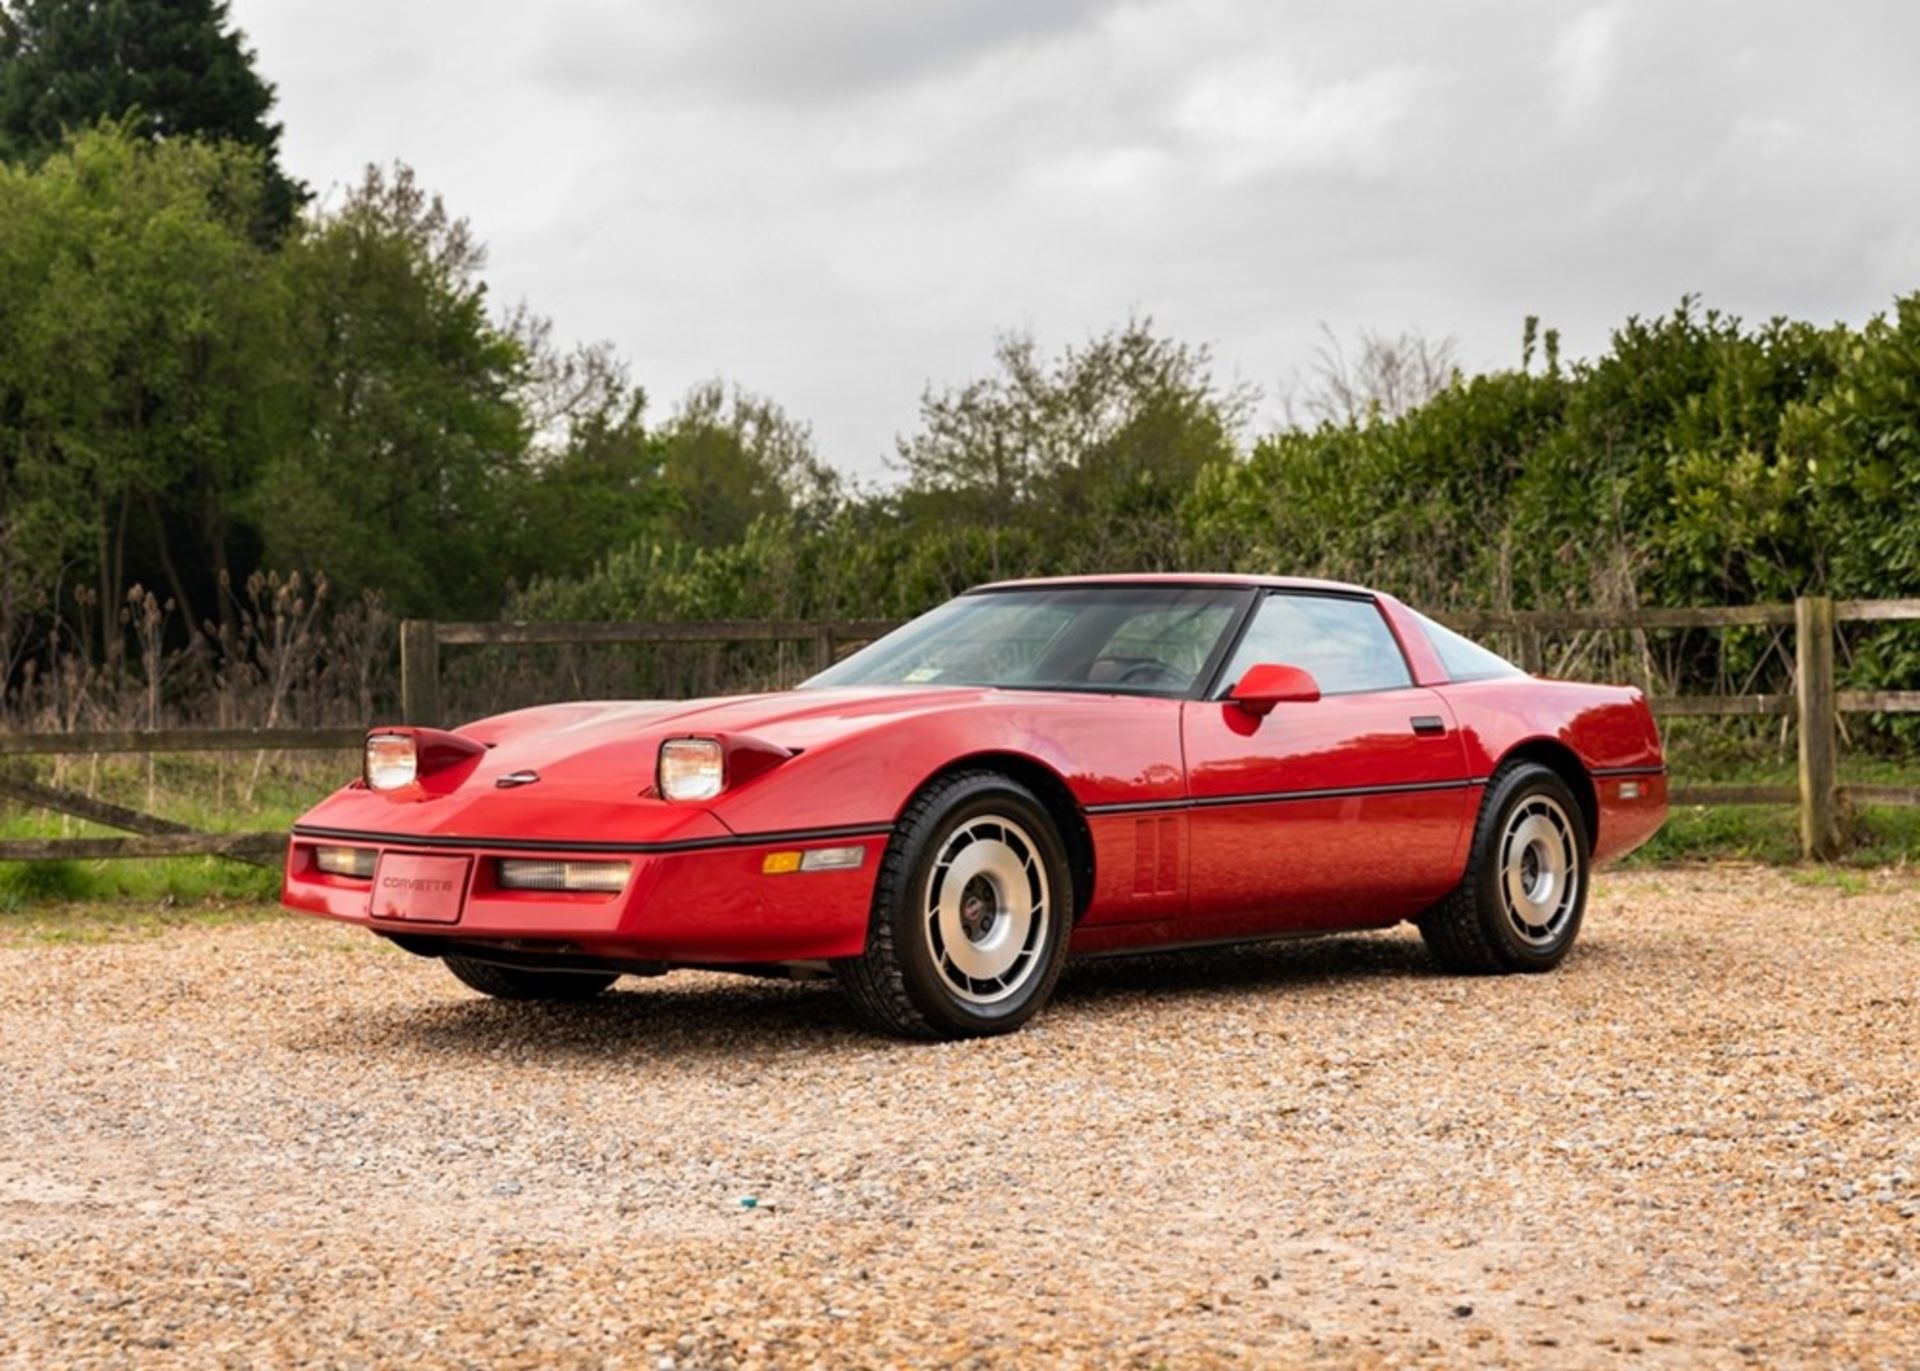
[[606, 878], [691, 769], [391, 760], [346, 861]]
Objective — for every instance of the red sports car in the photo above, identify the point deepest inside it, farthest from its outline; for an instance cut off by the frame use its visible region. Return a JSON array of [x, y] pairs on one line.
[[1033, 770]]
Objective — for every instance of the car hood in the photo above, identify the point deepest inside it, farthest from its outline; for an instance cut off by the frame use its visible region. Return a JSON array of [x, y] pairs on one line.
[[594, 763], [557, 736]]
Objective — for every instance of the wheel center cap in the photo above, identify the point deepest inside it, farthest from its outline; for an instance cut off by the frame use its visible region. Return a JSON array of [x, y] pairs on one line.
[[978, 909]]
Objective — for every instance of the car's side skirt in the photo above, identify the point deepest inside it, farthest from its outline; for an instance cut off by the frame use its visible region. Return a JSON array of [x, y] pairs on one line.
[[1105, 949]]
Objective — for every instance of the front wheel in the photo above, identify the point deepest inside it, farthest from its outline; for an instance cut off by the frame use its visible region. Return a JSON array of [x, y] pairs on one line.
[[1518, 908], [971, 914], [518, 983]]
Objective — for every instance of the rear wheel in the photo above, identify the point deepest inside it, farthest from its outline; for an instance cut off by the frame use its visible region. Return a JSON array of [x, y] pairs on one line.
[[971, 914], [518, 983], [1519, 905]]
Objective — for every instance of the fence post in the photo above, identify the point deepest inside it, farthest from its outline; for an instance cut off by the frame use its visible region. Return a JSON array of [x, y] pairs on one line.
[[1531, 649], [419, 672], [822, 648], [1819, 726]]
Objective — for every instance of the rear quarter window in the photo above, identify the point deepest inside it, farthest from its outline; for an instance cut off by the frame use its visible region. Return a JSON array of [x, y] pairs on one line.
[[1464, 659]]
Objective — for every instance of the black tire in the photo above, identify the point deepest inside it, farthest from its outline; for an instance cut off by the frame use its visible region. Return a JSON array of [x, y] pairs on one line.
[[1484, 926], [908, 981], [518, 983]]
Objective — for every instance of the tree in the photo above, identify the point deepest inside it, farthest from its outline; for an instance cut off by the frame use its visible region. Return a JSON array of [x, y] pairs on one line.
[[1386, 377], [412, 440], [1092, 450], [731, 457], [593, 482], [140, 371], [178, 67]]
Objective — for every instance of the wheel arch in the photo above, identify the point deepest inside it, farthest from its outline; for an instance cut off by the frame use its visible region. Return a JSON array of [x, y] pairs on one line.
[[1051, 789], [1564, 762]]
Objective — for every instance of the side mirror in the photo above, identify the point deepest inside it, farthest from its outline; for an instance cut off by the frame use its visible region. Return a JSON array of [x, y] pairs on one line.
[[1270, 684]]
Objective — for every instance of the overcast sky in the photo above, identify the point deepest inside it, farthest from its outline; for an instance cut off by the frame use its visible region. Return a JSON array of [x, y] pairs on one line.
[[836, 202]]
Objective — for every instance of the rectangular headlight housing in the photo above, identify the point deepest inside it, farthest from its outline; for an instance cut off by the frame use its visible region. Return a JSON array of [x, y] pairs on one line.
[[346, 861], [691, 769], [392, 761], [602, 878]]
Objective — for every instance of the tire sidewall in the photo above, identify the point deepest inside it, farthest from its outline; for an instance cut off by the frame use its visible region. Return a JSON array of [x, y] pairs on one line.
[[921, 848], [1520, 785]]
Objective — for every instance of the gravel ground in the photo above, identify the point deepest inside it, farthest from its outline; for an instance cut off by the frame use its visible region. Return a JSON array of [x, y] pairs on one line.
[[283, 1143]]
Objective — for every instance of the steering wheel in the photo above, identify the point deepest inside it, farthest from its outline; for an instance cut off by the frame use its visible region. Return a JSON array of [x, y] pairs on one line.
[[1152, 671]]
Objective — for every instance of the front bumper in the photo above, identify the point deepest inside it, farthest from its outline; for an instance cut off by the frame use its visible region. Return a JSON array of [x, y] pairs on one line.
[[705, 902]]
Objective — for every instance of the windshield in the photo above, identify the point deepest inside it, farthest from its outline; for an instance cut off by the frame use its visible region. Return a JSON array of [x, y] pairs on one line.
[[1140, 640]]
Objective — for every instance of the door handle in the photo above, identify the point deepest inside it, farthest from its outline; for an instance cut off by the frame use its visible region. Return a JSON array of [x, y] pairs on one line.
[[1428, 725]]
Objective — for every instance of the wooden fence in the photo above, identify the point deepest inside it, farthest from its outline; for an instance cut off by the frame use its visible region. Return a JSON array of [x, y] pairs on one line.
[[1816, 705], [153, 835]]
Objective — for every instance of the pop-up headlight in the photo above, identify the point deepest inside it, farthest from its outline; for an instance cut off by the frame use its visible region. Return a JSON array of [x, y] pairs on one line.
[[392, 760], [691, 769]]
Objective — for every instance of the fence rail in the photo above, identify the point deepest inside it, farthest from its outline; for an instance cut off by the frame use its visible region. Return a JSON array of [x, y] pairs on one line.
[[1816, 705], [260, 849], [111, 741]]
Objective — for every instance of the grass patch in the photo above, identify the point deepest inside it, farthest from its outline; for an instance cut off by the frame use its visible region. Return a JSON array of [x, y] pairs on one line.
[[1734, 752], [1883, 835], [183, 880], [118, 921], [1840, 878], [1693, 833], [206, 791], [25, 883]]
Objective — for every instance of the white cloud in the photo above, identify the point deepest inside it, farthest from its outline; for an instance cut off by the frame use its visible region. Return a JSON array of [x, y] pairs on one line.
[[1251, 118], [839, 203], [1583, 60]]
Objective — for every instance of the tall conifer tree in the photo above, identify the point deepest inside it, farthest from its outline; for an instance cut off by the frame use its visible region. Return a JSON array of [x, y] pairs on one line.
[[178, 68]]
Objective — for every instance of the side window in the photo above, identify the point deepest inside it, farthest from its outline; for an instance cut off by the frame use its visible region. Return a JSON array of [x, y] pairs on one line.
[[1464, 659], [1344, 643]]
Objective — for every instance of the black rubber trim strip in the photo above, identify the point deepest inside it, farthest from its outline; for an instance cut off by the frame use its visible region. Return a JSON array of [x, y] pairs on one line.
[[1602, 772], [1279, 796], [795, 835]]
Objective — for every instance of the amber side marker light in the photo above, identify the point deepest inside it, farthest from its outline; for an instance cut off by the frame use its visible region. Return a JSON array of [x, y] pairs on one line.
[[813, 859]]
